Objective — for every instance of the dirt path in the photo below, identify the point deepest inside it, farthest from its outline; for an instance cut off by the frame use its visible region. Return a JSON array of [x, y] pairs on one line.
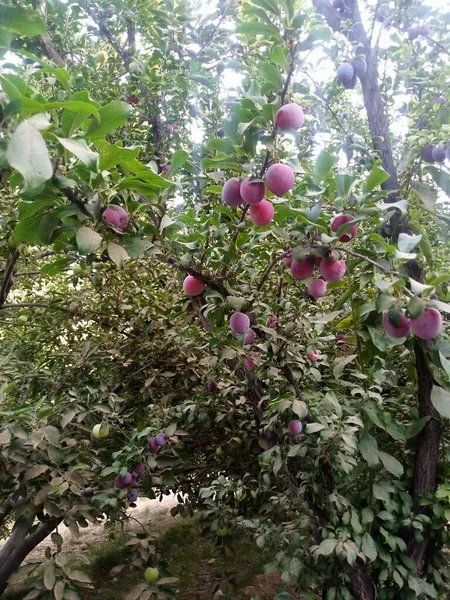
[[153, 514]]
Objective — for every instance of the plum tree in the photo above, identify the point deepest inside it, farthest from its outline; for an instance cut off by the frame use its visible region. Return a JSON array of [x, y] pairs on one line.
[[302, 269], [231, 192], [280, 179], [262, 213], [399, 328], [116, 216], [428, 325], [290, 115], [193, 286], [332, 270], [252, 192], [317, 288], [341, 220], [239, 322], [116, 334], [295, 427]]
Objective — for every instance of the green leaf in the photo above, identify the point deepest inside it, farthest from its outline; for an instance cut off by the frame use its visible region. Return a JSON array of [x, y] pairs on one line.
[[209, 164], [21, 20], [146, 179], [440, 399], [380, 492], [254, 28], [341, 362], [323, 165], [49, 576], [428, 195], [369, 449], [88, 240], [271, 74], [26, 106], [117, 254], [28, 154], [221, 144], [441, 178], [135, 246], [109, 117], [416, 427], [391, 464], [178, 159], [80, 149], [279, 57], [406, 242], [375, 179], [326, 547], [368, 547], [112, 155]]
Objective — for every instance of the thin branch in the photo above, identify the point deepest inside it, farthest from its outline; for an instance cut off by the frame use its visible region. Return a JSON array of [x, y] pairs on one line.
[[7, 279]]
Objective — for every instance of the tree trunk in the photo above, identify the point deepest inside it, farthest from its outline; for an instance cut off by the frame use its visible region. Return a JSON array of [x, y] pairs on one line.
[[18, 547]]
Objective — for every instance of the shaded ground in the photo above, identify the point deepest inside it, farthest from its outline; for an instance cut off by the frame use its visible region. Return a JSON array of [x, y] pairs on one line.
[[208, 568]]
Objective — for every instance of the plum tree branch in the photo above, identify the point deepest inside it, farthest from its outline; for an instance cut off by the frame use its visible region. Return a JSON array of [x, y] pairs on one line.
[[8, 277]]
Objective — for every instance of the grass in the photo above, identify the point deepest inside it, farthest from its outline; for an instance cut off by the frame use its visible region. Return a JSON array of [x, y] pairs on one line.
[[202, 564]]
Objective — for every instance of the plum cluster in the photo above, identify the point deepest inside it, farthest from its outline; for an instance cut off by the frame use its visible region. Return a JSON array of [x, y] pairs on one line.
[[348, 72], [157, 442], [419, 31], [435, 153], [426, 326], [279, 178], [129, 480]]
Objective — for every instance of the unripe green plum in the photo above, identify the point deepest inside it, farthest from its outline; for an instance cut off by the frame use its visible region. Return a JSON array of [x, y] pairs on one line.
[[332, 270], [262, 213], [100, 57], [290, 115], [219, 451], [134, 67], [302, 269], [222, 531], [100, 432], [151, 574], [280, 179], [428, 325], [252, 192], [22, 319], [231, 192]]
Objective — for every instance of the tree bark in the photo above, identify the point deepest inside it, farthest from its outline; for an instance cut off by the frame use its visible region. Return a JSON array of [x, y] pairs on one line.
[[17, 549]]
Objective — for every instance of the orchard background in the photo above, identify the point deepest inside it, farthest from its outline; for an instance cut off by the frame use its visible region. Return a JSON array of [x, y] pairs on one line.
[[315, 419]]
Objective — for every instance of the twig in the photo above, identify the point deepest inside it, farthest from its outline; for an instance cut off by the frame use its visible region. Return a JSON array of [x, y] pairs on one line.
[[7, 279]]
